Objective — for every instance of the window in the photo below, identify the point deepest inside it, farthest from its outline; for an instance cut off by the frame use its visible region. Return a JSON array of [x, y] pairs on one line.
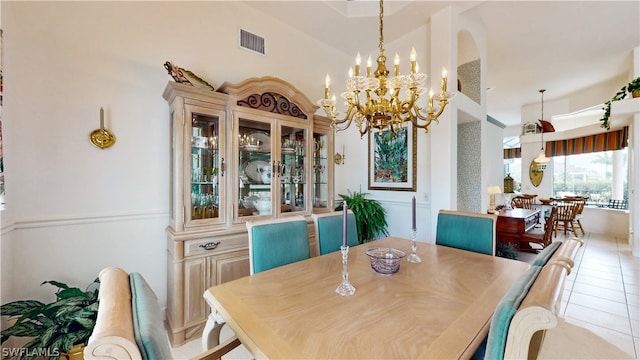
[[603, 176], [514, 168]]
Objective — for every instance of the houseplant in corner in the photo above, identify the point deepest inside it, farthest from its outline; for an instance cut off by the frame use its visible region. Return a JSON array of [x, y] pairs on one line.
[[370, 216], [56, 327], [633, 88]]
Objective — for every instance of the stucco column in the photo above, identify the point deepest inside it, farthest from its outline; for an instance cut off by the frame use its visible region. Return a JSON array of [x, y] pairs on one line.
[[617, 183]]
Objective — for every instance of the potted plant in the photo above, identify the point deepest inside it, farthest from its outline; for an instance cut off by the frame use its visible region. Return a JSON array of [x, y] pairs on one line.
[[55, 328], [632, 88], [370, 216]]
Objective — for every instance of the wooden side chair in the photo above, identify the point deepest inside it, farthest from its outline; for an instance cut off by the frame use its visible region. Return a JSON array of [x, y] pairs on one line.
[[274, 243], [465, 230], [565, 217], [545, 238], [524, 201], [328, 228], [580, 202]]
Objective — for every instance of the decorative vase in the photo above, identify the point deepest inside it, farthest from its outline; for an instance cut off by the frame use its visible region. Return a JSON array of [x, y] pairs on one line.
[[635, 94]]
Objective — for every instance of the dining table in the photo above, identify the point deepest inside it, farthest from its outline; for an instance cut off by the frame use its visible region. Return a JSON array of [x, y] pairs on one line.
[[439, 308]]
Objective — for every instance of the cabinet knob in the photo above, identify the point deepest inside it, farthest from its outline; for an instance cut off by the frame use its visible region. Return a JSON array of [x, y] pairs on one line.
[[210, 245]]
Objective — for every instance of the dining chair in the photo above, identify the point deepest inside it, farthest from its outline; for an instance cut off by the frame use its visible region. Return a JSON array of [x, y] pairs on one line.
[[278, 242], [466, 230], [579, 202], [328, 229], [564, 217], [524, 201], [543, 238]]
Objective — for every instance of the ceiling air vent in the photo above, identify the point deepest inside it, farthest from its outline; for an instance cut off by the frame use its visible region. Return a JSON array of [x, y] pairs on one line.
[[251, 42]]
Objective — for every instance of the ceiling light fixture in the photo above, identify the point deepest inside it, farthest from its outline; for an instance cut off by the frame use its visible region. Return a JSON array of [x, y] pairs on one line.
[[542, 160], [374, 101]]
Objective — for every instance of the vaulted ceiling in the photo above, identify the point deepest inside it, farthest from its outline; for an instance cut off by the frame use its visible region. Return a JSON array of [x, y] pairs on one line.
[[561, 46]]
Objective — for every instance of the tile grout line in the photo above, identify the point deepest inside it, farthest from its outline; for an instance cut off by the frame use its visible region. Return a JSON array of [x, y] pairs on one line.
[[575, 274], [626, 299]]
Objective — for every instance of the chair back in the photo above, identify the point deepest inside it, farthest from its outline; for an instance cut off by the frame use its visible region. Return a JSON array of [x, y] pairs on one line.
[[274, 243], [465, 230], [565, 211], [549, 225], [524, 201], [580, 202], [328, 228]]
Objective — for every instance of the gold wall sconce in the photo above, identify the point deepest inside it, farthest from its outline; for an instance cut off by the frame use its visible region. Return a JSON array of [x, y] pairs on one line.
[[102, 138], [339, 158]]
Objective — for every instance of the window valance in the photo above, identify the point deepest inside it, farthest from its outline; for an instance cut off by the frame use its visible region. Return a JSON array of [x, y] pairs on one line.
[[512, 153], [613, 140]]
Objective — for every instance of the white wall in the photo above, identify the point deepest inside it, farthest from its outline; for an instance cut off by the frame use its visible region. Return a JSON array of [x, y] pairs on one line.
[[72, 208]]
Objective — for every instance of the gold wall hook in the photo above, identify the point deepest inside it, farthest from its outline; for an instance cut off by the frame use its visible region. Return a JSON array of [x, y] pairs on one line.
[[102, 138]]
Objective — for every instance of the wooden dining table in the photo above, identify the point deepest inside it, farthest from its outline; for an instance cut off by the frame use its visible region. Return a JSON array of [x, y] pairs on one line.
[[439, 308]]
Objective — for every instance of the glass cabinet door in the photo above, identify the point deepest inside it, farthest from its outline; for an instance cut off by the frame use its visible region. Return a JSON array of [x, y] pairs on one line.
[[255, 168], [206, 165], [320, 171], [293, 167]]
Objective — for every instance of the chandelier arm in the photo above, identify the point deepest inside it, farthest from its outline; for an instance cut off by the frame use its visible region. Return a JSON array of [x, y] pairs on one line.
[[424, 126], [443, 104], [348, 118]]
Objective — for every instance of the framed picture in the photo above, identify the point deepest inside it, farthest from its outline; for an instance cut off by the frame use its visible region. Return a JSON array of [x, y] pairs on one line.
[[392, 159]]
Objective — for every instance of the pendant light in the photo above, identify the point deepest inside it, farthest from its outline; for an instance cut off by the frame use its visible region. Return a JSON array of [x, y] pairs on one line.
[[542, 160]]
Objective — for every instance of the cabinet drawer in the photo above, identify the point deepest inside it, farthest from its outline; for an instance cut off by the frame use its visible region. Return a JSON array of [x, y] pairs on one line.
[[213, 245]]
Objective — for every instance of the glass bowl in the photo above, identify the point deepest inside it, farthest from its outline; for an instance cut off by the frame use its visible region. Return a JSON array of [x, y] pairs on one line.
[[385, 261]]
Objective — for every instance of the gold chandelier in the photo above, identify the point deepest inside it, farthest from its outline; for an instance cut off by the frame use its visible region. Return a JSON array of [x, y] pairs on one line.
[[374, 101]]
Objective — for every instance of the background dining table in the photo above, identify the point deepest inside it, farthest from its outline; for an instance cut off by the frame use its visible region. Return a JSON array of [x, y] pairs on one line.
[[440, 308]]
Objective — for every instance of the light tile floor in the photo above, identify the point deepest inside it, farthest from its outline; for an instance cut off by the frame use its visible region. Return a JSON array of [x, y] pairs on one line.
[[602, 294]]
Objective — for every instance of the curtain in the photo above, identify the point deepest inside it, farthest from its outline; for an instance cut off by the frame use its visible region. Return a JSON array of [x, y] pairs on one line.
[[511, 153], [613, 140]]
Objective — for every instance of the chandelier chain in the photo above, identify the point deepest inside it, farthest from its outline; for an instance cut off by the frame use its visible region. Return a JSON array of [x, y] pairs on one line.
[[381, 43]]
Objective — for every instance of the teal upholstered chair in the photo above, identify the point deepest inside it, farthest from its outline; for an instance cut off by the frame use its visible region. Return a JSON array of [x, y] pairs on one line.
[[465, 230], [328, 227], [506, 309], [274, 243]]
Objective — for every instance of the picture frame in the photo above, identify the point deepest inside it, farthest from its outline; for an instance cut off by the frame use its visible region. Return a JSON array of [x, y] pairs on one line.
[[393, 159]]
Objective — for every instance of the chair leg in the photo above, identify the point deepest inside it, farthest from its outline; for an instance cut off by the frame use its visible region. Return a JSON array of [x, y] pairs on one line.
[[581, 228]]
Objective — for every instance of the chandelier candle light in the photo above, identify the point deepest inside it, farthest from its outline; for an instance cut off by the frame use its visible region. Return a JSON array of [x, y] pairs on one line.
[[413, 257], [374, 101], [345, 288]]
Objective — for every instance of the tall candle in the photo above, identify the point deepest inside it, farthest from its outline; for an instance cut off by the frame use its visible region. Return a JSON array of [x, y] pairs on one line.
[[326, 87], [101, 118], [344, 223], [413, 213], [396, 65]]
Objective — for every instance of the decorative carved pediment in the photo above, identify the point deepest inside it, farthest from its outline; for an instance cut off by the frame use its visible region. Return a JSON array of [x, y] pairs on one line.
[[270, 94]]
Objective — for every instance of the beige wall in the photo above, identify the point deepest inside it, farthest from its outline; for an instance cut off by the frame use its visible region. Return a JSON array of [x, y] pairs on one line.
[[72, 208]]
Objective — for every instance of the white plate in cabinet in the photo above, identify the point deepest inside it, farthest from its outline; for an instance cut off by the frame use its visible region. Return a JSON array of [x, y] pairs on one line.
[[214, 245]]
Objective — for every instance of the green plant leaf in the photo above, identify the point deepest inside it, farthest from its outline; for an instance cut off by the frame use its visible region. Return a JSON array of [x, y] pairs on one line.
[[370, 215], [57, 284], [71, 293], [18, 308]]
